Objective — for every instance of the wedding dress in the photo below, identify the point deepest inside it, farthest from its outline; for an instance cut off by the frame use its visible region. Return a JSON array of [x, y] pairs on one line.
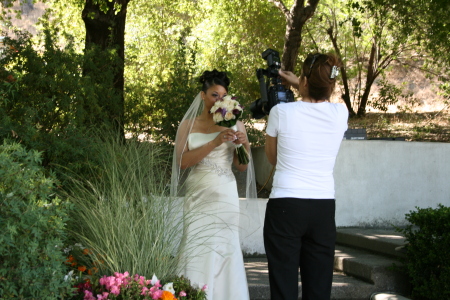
[[213, 249]]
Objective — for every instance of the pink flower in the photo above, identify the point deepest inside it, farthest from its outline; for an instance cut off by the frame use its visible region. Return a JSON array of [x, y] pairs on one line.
[[115, 290], [103, 296], [88, 295], [182, 294], [157, 294], [140, 279], [205, 288], [144, 290]]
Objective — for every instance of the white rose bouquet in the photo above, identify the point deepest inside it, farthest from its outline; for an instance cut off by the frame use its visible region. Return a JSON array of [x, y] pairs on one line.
[[226, 112]]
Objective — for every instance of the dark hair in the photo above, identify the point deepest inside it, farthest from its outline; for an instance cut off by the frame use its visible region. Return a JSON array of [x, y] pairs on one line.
[[214, 77], [317, 68]]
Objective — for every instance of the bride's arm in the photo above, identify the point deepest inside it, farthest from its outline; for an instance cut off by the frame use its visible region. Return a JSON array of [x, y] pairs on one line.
[[241, 135], [189, 158]]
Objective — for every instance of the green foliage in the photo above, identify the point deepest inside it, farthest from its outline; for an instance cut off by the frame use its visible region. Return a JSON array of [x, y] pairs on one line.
[[32, 224], [165, 104], [389, 95], [47, 104], [181, 283], [123, 214], [365, 37], [428, 252]]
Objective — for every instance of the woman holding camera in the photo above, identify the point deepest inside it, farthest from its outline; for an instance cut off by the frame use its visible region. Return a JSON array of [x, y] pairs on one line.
[[302, 141]]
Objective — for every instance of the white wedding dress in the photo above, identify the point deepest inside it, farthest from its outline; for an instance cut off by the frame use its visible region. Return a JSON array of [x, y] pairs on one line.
[[212, 244]]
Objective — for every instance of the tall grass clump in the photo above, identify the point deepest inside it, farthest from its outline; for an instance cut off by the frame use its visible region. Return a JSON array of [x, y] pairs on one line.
[[124, 215]]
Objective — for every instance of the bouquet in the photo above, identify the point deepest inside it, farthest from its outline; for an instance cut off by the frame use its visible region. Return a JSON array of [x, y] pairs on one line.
[[226, 112]]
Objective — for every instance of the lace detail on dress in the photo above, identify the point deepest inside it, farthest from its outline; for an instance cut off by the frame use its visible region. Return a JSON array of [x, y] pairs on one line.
[[217, 169]]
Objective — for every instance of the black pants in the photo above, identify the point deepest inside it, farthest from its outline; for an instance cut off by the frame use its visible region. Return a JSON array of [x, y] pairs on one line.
[[300, 233]]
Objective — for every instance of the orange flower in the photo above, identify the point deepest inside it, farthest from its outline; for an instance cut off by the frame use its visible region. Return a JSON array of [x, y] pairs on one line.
[[86, 251], [10, 78], [81, 268], [70, 258], [166, 295]]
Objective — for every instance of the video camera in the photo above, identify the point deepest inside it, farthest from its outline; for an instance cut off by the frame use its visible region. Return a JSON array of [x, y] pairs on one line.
[[272, 91]]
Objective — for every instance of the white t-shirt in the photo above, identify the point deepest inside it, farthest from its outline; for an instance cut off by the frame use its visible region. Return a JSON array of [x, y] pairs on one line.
[[308, 140]]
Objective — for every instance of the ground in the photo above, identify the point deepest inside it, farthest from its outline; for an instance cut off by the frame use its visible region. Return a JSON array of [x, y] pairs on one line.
[[417, 127]]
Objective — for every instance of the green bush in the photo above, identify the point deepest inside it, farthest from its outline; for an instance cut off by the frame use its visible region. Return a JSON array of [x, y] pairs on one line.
[[159, 110], [32, 227], [48, 104], [428, 252]]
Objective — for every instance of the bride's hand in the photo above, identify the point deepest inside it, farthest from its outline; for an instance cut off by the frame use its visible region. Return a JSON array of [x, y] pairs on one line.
[[225, 136], [241, 138]]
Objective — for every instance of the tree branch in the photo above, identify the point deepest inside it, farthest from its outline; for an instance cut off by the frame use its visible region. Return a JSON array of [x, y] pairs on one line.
[[280, 5]]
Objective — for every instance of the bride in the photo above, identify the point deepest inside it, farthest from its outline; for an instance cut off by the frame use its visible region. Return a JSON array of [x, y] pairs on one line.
[[203, 157]]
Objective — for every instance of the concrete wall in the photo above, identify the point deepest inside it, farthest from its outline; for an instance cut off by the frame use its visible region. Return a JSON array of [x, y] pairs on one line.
[[377, 183]]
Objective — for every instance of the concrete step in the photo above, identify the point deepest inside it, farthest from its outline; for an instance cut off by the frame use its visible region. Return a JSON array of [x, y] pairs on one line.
[[372, 268], [381, 241], [364, 261], [344, 287]]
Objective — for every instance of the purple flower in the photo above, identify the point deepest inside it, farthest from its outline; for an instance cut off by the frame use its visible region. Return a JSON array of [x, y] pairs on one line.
[[221, 110]]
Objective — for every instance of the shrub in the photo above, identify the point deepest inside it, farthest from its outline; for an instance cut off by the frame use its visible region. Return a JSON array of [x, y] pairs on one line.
[[32, 224], [428, 252], [165, 105], [48, 104]]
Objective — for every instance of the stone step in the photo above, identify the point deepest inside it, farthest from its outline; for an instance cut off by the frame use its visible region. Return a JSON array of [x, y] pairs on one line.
[[344, 287], [381, 271], [387, 296], [382, 241]]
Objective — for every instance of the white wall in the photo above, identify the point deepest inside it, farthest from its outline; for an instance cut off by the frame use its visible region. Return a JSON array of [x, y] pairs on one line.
[[377, 183]]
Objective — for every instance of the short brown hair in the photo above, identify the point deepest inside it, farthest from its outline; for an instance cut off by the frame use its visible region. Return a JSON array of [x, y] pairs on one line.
[[317, 69]]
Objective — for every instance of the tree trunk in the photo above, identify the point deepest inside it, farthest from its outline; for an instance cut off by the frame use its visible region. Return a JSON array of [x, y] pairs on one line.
[[295, 19], [371, 75], [346, 95], [106, 30]]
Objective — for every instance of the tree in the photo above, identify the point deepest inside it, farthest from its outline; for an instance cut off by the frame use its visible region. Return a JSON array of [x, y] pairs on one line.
[[427, 22], [105, 29], [296, 18], [363, 35]]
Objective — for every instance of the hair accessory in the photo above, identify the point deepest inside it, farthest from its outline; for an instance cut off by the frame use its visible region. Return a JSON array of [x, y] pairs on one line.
[[334, 72], [312, 64]]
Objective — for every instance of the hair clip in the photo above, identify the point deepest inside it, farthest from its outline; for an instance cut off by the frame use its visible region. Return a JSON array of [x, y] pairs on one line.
[[334, 72], [312, 64]]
